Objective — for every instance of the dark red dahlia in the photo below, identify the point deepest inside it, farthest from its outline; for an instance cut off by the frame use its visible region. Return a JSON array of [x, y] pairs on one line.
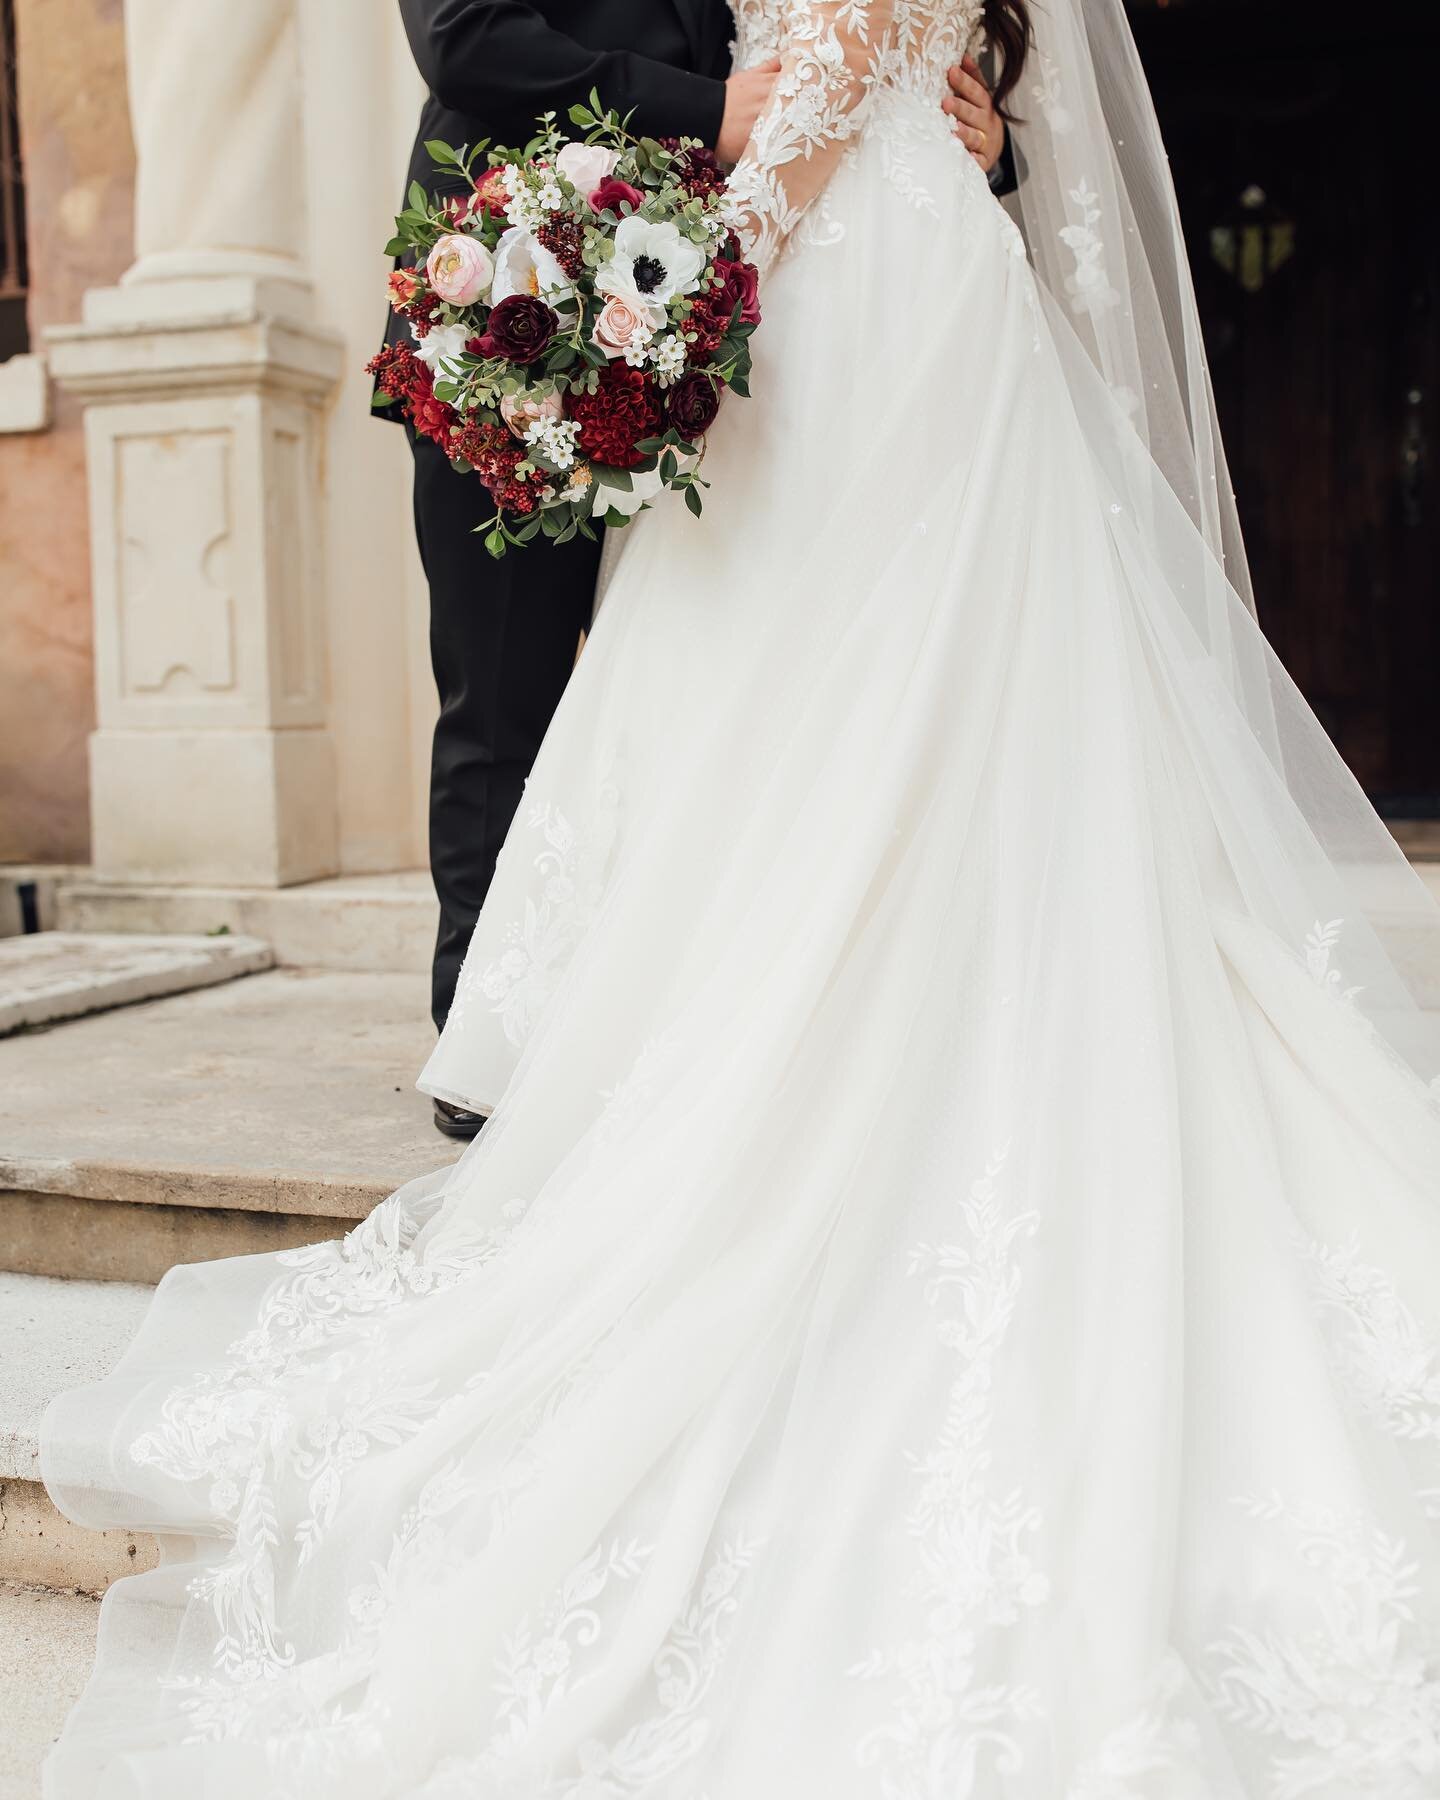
[[432, 418], [624, 409]]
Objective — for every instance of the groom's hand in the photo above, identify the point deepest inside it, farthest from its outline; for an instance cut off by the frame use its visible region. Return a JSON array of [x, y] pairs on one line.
[[747, 94], [978, 126]]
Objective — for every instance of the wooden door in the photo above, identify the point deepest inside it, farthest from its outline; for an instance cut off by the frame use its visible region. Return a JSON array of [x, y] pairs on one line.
[[1310, 216]]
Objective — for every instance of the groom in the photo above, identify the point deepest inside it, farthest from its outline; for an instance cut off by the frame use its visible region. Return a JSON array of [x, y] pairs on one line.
[[503, 635]]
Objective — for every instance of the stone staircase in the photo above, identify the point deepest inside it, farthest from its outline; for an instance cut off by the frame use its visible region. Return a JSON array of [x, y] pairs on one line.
[[263, 1113]]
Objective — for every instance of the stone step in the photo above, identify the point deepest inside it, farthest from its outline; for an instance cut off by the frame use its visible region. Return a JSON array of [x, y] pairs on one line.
[[255, 1116], [360, 922], [58, 1335], [47, 1644], [54, 975]]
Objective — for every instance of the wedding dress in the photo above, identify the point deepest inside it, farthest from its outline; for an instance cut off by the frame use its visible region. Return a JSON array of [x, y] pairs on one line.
[[948, 1302]]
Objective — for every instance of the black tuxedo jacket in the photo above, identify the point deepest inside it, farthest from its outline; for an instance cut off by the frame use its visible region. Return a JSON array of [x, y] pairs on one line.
[[493, 65]]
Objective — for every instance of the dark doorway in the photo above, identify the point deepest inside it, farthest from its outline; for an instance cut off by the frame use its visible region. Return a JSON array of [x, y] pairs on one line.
[[1299, 133]]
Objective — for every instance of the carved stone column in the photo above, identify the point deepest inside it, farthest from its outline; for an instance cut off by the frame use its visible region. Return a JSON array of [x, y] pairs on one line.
[[204, 387]]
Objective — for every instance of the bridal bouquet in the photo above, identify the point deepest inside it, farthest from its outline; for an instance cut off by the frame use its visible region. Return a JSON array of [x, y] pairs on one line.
[[577, 311]]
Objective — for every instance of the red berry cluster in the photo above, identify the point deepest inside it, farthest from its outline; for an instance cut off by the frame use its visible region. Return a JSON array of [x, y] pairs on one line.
[[495, 455], [708, 318], [697, 169], [565, 240], [400, 375]]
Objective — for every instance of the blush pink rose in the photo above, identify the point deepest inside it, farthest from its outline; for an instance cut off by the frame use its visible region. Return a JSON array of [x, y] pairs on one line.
[[620, 326], [585, 166], [520, 411], [460, 270]]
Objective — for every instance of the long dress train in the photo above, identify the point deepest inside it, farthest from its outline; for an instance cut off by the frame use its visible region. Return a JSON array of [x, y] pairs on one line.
[[946, 1304]]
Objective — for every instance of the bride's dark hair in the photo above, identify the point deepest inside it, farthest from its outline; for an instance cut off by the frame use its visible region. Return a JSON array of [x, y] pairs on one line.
[[1007, 29]]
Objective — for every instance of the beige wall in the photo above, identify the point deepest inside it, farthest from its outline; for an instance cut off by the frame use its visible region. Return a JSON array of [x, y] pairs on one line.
[[75, 136]]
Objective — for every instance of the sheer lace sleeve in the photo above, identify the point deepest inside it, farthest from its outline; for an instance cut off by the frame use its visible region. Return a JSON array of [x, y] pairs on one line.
[[829, 51]]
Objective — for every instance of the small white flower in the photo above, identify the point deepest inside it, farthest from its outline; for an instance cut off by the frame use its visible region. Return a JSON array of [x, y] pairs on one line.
[[554, 439], [532, 199], [667, 356]]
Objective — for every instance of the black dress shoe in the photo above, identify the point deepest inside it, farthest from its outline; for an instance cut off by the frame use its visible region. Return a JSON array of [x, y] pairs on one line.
[[457, 1121]]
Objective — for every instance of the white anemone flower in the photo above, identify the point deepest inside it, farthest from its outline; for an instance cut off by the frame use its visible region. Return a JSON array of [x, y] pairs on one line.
[[524, 266], [653, 262]]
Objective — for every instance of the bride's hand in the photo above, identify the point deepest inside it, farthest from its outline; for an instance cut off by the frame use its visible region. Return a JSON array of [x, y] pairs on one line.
[[747, 94], [978, 126]]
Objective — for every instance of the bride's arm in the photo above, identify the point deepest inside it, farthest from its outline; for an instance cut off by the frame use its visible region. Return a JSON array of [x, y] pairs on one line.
[[827, 70]]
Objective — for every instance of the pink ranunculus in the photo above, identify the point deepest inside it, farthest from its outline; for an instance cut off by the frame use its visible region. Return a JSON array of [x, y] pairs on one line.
[[611, 192], [585, 166], [620, 326], [520, 411], [460, 270]]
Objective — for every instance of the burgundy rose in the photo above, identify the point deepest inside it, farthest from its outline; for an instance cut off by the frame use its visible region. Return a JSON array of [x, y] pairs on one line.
[[612, 192], [742, 284], [693, 403], [520, 329]]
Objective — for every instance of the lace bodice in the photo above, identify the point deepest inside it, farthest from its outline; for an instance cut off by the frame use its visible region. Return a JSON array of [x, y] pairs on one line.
[[838, 57]]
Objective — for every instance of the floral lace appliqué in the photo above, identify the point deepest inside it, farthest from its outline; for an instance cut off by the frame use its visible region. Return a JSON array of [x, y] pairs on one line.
[[1389, 1363], [545, 1660], [1320, 947], [974, 1573], [572, 863], [1350, 1704], [1089, 286]]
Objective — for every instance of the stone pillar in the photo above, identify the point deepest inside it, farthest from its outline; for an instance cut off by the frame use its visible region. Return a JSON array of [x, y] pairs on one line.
[[204, 383]]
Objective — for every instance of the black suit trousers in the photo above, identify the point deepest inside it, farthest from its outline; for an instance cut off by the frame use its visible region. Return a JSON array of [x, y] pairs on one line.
[[503, 637]]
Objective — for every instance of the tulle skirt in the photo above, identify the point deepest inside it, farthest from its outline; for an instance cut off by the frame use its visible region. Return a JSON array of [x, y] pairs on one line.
[[946, 1304]]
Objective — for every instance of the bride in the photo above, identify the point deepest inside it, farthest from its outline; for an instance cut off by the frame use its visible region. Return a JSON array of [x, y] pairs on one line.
[[947, 1303]]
